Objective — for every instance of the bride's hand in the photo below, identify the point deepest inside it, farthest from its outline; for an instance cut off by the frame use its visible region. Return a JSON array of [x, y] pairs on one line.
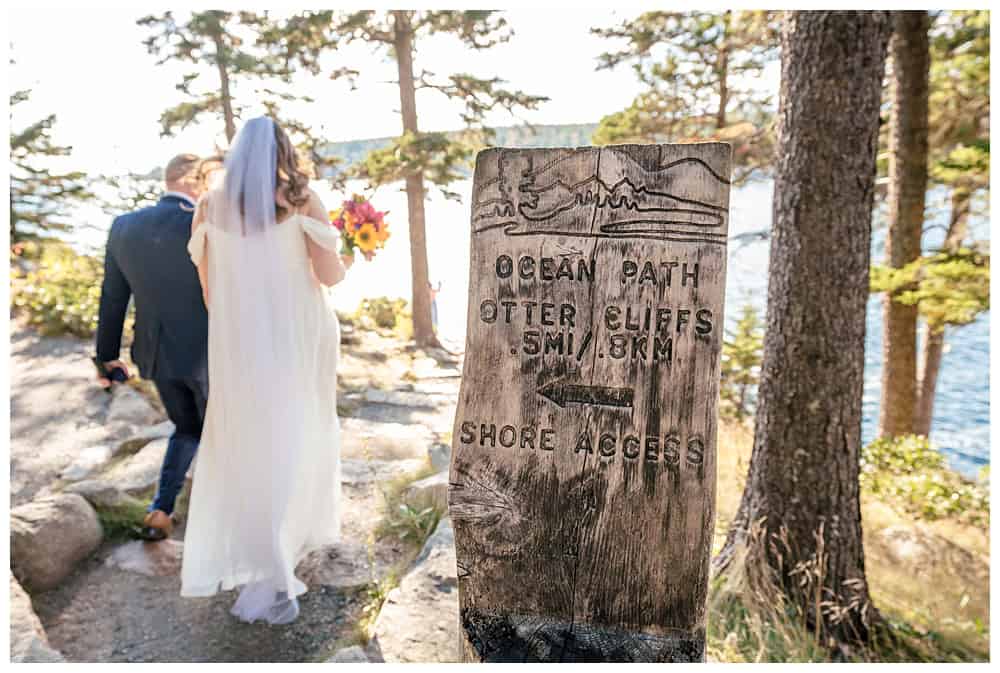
[[347, 259]]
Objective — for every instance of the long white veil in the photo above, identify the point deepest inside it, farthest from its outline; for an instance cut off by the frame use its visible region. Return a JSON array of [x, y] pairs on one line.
[[264, 349], [245, 202]]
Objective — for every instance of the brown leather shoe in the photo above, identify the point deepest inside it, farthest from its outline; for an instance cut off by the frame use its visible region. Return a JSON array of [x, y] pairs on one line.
[[157, 525]]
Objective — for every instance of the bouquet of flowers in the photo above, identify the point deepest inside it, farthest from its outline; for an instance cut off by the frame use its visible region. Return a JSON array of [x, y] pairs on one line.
[[360, 226]]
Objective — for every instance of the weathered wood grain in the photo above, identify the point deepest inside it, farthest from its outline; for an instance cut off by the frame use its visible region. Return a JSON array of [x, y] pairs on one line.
[[583, 471]]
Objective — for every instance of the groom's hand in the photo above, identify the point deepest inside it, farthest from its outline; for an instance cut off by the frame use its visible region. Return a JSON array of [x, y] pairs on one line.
[[104, 381]]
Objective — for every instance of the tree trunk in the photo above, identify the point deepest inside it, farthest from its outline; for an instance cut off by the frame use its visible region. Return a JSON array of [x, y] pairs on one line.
[[800, 508], [723, 72], [423, 328], [933, 346], [907, 186], [224, 94]]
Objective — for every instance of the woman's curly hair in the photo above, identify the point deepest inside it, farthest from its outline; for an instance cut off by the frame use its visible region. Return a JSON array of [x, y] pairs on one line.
[[292, 181]]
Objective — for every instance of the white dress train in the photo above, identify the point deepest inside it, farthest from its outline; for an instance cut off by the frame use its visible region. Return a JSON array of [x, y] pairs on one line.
[[267, 478]]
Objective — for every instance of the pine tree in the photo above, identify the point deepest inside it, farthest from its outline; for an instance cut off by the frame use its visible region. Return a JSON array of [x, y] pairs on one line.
[[234, 47], [417, 156], [741, 358], [690, 63], [949, 287], [908, 138], [798, 527], [960, 160], [207, 40], [40, 197]]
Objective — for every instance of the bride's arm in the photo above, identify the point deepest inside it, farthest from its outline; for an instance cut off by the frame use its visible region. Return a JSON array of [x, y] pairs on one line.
[[327, 265], [198, 221]]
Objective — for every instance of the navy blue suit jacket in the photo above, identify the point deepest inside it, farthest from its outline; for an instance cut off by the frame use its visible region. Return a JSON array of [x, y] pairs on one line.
[[147, 258]]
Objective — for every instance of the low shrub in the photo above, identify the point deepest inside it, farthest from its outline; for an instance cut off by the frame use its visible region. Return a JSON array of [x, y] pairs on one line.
[[57, 289], [385, 313], [909, 472]]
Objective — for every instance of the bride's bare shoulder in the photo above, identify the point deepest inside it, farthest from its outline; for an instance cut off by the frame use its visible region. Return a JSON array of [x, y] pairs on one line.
[[313, 196], [314, 205]]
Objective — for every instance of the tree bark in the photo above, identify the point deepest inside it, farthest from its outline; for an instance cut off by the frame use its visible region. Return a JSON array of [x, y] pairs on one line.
[[423, 327], [224, 94], [802, 488], [910, 51], [933, 341]]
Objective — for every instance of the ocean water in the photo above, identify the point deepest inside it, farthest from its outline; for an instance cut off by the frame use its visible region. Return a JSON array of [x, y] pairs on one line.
[[961, 414]]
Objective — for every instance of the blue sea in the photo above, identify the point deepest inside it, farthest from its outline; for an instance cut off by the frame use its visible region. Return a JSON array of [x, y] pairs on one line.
[[961, 424]]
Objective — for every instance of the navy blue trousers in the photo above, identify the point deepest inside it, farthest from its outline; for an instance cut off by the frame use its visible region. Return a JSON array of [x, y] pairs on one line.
[[184, 400]]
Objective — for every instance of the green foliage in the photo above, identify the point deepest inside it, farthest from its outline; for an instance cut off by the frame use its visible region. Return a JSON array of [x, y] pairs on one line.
[[132, 191], [413, 524], [437, 155], [40, 197], [440, 157], [376, 594], [959, 102], [741, 357], [235, 47], [58, 290], [691, 63], [212, 42], [123, 520], [382, 312], [949, 288], [908, 472]]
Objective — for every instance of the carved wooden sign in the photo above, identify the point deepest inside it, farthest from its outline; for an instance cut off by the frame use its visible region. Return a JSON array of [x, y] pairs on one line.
[[583, 472]]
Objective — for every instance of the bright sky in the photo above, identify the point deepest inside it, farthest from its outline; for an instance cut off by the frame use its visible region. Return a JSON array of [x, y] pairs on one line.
[[89, 67]]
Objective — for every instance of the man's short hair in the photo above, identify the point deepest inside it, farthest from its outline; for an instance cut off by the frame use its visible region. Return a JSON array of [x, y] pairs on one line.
[[180, 167]]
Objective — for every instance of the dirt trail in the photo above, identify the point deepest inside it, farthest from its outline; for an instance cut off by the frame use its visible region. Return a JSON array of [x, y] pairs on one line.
[[123, 603]]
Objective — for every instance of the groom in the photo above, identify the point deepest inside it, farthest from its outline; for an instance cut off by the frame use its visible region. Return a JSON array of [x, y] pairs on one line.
[[147, 258]]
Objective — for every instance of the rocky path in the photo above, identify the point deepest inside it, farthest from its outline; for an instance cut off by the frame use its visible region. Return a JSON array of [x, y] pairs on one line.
[[121, 601], [56, 409]]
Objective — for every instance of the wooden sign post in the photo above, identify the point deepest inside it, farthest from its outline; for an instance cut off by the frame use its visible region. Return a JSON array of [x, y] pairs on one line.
[[583, 472]]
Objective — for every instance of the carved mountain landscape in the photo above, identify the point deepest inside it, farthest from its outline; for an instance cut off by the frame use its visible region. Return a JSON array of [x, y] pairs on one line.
[[602, 193]]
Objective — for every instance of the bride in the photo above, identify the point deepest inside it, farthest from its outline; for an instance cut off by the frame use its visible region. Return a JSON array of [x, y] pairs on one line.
[[267, 479]]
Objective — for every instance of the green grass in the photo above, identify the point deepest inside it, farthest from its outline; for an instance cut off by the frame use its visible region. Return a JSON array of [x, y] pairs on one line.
[[122, 521], [375, 595], [412, 522]]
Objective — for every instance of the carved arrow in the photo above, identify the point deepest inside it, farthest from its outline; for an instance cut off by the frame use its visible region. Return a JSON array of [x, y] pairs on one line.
[[568, 393]]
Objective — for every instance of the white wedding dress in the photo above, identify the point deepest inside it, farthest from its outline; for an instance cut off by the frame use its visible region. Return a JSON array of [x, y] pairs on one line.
[[267, 477]]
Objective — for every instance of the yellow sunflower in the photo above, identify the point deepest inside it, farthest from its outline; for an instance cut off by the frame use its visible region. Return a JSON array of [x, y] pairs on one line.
[[366, 237]]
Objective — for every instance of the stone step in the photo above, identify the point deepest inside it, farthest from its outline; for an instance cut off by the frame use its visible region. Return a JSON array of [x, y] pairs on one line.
[[429, 491], [419, 619], [341, 566], [436, 418], [384, 441], [140, 471], [403, 398], [49, 536], [360, 472], [28, 643], [88, 461]]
